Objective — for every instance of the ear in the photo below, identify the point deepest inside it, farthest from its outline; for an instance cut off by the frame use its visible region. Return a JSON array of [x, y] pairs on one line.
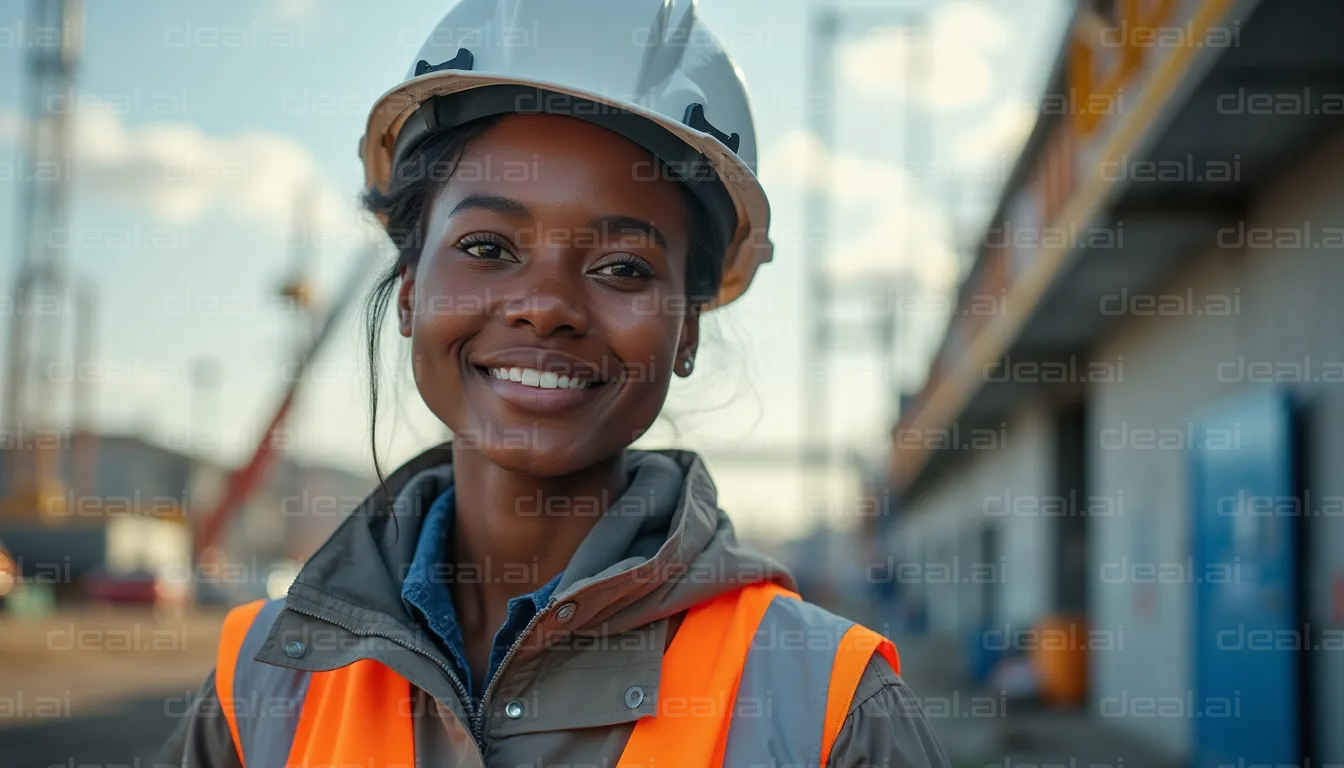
[[690, 342], [406, 302]]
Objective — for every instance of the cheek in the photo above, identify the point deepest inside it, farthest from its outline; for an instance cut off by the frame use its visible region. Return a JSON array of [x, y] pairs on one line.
[[443, 299], [441, 322], [648, 345]]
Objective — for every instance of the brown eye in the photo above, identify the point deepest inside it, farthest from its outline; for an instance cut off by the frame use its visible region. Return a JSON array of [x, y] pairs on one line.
[[625, 268], [485, 250], [619, 270], [486, 247]]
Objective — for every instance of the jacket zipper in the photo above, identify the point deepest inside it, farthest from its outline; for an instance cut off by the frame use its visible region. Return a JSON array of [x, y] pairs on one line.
[[478, 719], [461, 689]]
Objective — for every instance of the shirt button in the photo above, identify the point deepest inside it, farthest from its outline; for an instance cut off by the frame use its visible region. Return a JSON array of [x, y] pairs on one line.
[[565, 613], [634, 696], [295, 649], [514, 709]]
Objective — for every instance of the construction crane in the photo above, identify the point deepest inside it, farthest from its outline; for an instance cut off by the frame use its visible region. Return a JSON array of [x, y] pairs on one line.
[[245, 480]]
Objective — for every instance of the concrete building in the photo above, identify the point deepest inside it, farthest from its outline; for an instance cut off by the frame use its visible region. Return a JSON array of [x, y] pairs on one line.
[[144, 499], [1137, 412]]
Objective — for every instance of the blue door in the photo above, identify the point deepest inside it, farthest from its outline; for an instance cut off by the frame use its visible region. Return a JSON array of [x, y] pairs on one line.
[[1246, 629]]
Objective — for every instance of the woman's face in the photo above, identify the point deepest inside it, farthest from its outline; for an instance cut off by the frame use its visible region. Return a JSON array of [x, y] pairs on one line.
[[548, 312]]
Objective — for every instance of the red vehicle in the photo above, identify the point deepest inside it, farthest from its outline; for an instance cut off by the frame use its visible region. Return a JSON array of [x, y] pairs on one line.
[[136, 588]]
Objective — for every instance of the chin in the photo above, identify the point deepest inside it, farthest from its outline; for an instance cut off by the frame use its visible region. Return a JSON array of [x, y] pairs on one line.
[[531, 461], [530, 451]]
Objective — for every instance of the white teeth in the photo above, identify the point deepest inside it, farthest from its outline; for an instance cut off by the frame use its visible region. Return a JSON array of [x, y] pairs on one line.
[[530, 377]]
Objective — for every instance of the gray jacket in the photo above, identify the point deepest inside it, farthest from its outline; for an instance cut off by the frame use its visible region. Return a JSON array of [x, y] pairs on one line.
[[634, 576]]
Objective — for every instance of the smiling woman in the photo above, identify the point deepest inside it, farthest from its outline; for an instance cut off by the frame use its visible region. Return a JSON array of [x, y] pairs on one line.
[[535, 591]]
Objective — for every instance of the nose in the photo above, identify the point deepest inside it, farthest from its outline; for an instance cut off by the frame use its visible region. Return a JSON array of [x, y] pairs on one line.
[[555, 307]]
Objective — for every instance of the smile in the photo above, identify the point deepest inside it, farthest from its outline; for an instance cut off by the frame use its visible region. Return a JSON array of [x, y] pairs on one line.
[[538, 392], [531, 377]]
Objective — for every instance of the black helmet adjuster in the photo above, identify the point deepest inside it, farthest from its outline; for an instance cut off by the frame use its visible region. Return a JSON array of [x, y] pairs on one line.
[[695, 118], [463, 60]]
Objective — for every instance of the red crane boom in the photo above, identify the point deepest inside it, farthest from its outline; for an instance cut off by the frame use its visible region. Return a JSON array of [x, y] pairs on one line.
[[244, 481]]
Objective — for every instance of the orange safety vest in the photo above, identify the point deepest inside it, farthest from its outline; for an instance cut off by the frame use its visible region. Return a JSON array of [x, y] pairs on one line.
[[355, 715]]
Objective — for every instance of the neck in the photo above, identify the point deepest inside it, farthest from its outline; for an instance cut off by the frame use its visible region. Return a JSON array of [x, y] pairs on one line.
[[520, 530]]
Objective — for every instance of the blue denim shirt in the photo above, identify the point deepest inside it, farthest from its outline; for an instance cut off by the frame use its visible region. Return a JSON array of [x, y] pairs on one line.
[[431, 599]]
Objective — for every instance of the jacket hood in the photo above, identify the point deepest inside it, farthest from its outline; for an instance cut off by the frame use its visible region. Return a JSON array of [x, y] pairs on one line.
[[648, 558]]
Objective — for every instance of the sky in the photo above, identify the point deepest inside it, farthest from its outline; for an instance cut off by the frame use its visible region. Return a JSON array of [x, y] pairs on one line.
[[196, 126]]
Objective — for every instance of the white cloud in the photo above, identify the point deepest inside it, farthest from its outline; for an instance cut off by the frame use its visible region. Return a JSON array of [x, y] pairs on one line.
[[904, 240], [180, 173], [997, 137], [957, 50], [792, 158], [906, 234], [295, 9], [973, 22], [11, 125]]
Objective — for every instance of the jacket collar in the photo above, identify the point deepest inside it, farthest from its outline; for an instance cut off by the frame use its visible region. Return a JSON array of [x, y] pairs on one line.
[[632, 571]]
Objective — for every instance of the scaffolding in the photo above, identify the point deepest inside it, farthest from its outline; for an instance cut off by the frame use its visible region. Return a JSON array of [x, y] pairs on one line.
[[826, 334], [41, 300]]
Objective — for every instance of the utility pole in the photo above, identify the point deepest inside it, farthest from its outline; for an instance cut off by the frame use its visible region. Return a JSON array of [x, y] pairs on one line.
[[206, 376], [817, 223]]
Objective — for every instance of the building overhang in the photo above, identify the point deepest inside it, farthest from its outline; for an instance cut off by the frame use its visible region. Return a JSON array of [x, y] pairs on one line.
[[1105, 206]]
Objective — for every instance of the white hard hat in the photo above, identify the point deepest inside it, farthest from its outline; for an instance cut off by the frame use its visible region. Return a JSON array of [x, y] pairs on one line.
[[647, 69]]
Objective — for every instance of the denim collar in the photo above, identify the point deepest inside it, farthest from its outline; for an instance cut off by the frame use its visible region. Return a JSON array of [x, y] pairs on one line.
[[428, 597]]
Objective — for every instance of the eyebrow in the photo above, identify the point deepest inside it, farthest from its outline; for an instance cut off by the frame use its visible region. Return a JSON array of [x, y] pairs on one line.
[[505, 206], [629, 225]]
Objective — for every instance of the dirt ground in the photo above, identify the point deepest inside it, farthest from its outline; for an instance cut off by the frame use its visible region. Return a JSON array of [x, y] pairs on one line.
[[79, 663]]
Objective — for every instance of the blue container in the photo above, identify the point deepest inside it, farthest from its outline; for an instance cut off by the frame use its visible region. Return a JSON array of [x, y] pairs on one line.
[[980, 657]]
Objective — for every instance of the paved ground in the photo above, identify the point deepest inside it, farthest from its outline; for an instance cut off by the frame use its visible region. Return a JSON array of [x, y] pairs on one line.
[[126, 734], [98, 687], [982, 729]]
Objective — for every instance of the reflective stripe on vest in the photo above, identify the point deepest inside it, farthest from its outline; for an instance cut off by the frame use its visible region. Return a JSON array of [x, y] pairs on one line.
[[752, 676], [271, 697], [287, 717], [789, 669]]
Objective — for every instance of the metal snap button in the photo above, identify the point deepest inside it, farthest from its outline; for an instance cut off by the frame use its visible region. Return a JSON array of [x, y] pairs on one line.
[[514, 709], [634, 696], [565, 613], [295, 649]]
